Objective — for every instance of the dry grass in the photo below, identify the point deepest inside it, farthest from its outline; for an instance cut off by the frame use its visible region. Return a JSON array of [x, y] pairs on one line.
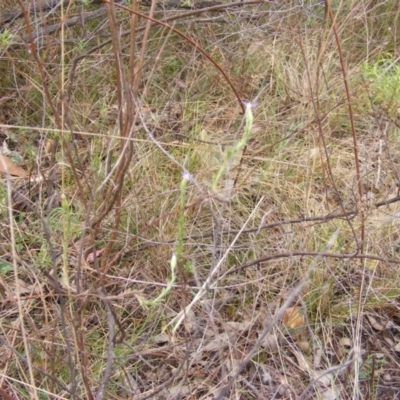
[[120, 280]]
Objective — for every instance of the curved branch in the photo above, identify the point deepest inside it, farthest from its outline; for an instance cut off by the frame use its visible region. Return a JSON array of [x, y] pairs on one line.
[[188, 39]]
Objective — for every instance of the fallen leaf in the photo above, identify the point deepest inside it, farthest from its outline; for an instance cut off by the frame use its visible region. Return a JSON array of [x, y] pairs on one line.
[[90, 257], [270, 342], [305, 347], [346, 342], [7, 166], [397, 347], [23, 287], [217, 343], [331, 394], [179, 392], [378, 325], [180, 84], [293, 318], [257, 46], [302, 360], [161, 339], [238, 326], [190, 322], [324, 377]]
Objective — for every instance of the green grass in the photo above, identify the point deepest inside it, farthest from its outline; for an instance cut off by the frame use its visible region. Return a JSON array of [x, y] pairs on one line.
[[298, 170]]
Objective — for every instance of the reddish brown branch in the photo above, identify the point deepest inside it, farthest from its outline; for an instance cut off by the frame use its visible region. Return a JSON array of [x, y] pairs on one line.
[[188, 39]]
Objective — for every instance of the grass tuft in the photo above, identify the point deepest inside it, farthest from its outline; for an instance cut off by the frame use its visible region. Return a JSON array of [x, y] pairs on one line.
[[169, 241]]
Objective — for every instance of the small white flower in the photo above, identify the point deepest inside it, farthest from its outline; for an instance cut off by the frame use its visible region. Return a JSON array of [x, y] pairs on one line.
[[249, 104], [186, 175], [173, 262]]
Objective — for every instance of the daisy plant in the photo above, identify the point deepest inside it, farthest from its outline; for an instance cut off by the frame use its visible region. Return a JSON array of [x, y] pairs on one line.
[[176, 256], [239, 147]]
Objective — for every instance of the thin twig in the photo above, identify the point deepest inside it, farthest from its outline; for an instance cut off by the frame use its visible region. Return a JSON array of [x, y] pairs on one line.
[[277, 317], [176, 321], [110, 351]]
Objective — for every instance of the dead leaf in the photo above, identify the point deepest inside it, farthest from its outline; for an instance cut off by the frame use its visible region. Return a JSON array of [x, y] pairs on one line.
[[270, 342], [378, 325], [331, 394], [217, 343], [302, 360], [161, 339], [324, 377], [190, 322], [7, 166], [260, 372], [90, 257], [346, 342], [238, 326], [389, 341], [305, 347], [23, 287], [180, 84], [293, 318], [397, 347], [256, 47], [179, 392]]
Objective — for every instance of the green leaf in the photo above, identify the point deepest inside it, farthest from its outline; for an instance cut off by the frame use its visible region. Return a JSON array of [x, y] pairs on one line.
[[4, 268]]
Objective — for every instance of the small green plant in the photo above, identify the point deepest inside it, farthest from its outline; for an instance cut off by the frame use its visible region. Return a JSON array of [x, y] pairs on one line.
[[155, 302], [6, 39], [383, 78], [177, 256], [231, 152], [5, 267], [172, 67], [186, 177]]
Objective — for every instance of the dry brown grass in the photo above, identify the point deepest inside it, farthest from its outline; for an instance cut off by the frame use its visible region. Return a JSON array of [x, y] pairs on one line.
[[287, 284]]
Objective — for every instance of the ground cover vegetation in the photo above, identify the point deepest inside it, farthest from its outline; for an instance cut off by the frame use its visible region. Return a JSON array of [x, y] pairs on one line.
[[199, 200]]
